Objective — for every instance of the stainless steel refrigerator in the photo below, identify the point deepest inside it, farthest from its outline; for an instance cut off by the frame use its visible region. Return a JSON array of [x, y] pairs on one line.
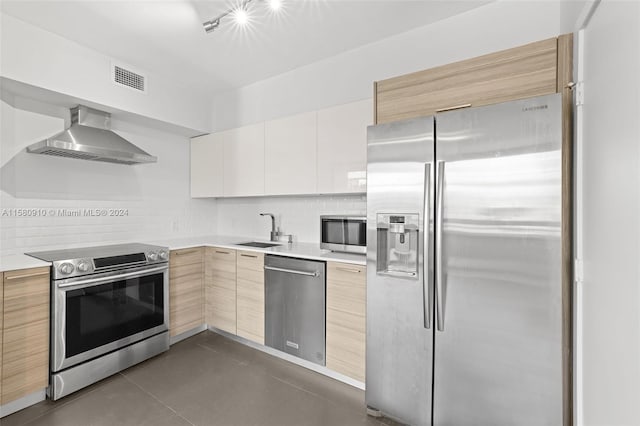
[[464, 314]]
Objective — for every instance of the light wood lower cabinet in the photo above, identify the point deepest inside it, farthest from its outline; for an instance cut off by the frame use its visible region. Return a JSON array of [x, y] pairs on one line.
[[186, 289], [235, 303], [220, 288], [25, 333], [250, 295], [346, 319]]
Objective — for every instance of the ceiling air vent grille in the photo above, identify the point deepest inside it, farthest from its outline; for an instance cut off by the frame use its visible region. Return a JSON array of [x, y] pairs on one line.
[[127, 78]]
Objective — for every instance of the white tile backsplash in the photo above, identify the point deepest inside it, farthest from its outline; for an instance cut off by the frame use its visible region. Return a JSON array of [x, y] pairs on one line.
[[298, 215], [147, 220]]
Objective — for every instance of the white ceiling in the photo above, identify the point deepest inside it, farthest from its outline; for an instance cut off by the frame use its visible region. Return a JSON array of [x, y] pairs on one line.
[[166, 37]]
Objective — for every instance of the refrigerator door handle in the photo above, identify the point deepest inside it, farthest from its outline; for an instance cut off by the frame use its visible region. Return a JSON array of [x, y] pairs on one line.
[[438, 265], [426, 293]]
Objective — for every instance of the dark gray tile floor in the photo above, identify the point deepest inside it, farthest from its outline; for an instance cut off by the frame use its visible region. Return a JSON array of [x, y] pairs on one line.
[[207, 380]]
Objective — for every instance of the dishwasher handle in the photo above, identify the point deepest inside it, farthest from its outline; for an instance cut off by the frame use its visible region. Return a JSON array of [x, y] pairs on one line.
[[292, 271]]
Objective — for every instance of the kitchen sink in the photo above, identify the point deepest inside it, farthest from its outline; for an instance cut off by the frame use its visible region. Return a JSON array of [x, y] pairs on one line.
[[257, 244]]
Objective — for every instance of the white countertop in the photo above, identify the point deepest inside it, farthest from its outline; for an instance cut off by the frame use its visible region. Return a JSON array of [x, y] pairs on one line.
[[20, 261], [301, 250]]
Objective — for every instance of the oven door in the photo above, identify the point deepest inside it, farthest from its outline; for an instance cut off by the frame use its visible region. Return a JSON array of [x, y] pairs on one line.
[[96, 315]]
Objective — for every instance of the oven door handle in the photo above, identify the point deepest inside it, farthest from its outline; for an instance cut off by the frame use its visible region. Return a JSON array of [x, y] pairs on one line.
[[89, 282]]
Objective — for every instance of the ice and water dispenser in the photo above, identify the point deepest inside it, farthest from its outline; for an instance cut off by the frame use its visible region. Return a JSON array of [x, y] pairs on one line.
[[397, 244]]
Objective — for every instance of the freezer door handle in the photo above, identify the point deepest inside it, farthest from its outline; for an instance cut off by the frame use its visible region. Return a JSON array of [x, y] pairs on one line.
[[426, 294], [438, 266]]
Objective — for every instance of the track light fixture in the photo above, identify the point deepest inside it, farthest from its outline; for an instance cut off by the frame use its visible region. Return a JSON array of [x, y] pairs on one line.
[[240, 13], [209, 26]]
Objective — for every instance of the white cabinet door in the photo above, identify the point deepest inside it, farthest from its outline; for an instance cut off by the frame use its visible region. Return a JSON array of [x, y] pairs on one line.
[[206, 166], [290, 161], [244, 161], [342, 147]]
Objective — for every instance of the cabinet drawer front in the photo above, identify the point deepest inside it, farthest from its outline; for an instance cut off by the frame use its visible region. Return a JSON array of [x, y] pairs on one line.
[[346, 343], [180, 290], [252, 290], [221, 254], [347, 272], [226, 282], [221, 308], [217, 275], [29, 276], [221, 268], [250, 295], [26, 297], [25, 362], [25, 346], [251, 275], [346, 288], [250, 260], [188, 256], [186, 290], [187, 317], [250, 306], [186, 272], [346, 319]]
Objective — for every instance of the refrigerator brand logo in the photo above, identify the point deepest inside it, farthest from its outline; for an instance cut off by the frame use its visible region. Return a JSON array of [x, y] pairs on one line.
[[292, 345], [534, 108]]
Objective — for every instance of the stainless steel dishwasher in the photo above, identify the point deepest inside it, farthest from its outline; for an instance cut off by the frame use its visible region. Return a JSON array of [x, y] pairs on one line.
[[295, 306]]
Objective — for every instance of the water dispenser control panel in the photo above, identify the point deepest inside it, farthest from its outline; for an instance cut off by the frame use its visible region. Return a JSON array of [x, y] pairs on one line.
[[398, 244]]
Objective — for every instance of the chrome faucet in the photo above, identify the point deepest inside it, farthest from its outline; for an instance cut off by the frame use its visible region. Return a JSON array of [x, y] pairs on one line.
[[274, 232]]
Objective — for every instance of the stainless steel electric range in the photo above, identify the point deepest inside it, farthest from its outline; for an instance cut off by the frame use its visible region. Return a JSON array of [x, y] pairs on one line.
[[109, 311]]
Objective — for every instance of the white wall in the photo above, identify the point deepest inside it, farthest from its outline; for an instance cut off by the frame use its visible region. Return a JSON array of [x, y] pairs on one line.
[[46, 60], [155, 196], [611, 215], [349, 76], [299, 216]]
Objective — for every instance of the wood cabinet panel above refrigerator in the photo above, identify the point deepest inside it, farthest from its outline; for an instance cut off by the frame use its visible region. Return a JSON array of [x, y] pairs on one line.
[[520, 72]]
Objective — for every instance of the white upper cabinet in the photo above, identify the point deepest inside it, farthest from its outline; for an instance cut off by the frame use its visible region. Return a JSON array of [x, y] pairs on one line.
[[290, 155], [319, 152], [342, 147], [244, 161], [207, 166]]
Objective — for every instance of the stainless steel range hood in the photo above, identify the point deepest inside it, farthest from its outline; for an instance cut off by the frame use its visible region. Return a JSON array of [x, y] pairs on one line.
[[89, 138]]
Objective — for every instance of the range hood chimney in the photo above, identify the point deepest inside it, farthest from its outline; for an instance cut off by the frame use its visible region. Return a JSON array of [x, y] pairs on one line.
[[89, 138]]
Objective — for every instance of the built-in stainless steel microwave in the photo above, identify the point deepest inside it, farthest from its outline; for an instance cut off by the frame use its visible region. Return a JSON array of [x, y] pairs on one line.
[[344, 233]]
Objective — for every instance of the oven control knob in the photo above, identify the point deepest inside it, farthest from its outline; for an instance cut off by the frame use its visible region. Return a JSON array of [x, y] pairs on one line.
[[163, 254], [83, 267], [153, 256], [66, 268]]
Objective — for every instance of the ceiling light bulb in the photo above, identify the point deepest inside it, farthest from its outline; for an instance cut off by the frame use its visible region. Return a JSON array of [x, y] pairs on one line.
[[275, 4], [241, 16]]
